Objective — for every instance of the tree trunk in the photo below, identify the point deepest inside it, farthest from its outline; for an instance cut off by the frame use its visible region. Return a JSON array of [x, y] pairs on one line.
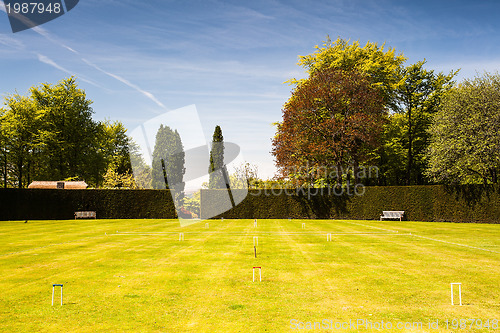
[[494, 176], [20, 174], [339, 174], [410, 144], [355, 165], [29, 173], [5, 166], [356, 171]]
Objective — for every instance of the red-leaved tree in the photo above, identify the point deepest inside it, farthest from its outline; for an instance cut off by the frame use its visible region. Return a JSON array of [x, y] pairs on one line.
[[332, 120]]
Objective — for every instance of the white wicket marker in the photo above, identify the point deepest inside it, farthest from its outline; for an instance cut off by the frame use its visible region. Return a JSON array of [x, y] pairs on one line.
[[181, 236], [459, 292], [53, 287], [303, 225], [260, 273], [255, 240], [206, 225], [328, 237]]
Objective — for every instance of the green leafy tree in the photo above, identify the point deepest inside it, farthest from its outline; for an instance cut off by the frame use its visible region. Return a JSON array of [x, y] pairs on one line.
[[114, 150], [142, 171], [380, 65], [465, 140], [419, 92], [412, 91], [22, 138], [71, 146], [50, 135], [216, 167], [168, 162], [245, 176], [4, 161], [192, 204], [322, 139], [391, 155], [114, 179]]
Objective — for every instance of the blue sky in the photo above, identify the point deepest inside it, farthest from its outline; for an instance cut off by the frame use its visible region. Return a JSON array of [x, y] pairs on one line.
[[139, 59]]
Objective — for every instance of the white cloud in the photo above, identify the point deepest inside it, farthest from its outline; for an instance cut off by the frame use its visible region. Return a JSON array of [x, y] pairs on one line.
[[41, 31], [44, 59], [48, 61], [126, 82], [11, 42]]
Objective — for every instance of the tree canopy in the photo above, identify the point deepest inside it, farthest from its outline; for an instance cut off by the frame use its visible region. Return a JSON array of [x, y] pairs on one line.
[[379, 64], [168, 162], [330, 120], [465, 141], [419, 93], [389, 106], [216, 167], [168, 158], [50, 135]]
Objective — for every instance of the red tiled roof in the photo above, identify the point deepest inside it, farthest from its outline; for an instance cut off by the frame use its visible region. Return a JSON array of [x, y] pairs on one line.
[[53, 185]]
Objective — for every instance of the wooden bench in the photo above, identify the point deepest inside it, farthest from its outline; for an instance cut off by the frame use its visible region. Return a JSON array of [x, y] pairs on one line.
[[84, 215], [392, 214]]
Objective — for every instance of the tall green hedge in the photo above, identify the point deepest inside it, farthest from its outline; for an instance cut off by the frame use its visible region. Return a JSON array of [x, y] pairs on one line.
[[475, 203], [45, 204]]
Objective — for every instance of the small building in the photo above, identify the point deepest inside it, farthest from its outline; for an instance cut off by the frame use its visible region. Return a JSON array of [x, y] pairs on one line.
[[80, 185]]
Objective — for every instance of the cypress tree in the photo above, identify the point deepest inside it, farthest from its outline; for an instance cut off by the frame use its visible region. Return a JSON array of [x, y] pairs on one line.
[[216, 180]]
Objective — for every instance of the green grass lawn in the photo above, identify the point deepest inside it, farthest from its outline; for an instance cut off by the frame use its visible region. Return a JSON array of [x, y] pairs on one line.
[[135, 275]]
